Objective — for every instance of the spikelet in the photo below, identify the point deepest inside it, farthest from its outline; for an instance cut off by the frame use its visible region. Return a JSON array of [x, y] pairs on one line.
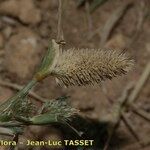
[[90, 66], [60, 107]]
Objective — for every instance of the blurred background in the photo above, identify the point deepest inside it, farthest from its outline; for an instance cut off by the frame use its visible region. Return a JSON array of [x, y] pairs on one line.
[[26, 27]]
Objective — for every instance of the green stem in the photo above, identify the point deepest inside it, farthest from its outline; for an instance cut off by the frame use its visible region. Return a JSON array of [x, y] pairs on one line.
[[11, 124], [21, 93], [26, 89], [44, 119]]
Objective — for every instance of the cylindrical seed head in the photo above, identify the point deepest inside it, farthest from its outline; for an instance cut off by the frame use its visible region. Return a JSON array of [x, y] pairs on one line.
[[89, 66]]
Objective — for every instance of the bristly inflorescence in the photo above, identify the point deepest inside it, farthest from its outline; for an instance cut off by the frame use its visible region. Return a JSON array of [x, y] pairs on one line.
[[21, 107], [60, 108], [90, 66]]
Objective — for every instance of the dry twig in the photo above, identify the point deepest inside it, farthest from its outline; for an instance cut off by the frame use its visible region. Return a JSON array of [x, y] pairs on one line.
[[143, 10], [130, 127], [127, 100], [60, 36], [111, 22], [140, 84], [140, 113], [118, 112]]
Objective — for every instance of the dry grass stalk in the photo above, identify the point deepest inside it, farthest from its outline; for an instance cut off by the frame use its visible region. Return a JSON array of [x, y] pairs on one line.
[[112, 21], [90, 66]]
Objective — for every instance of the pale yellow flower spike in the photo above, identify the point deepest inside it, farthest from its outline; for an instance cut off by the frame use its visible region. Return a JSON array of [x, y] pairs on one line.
[[83, 67]]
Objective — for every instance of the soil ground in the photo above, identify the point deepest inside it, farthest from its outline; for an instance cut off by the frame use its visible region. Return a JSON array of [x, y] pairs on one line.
[[26, 26]]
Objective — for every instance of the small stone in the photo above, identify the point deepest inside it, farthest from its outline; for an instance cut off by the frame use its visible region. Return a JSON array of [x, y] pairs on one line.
[[7, 31], [21, 54], [25, 10]]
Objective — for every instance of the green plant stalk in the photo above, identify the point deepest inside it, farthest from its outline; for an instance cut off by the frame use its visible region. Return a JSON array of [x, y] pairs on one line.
[[48, 62], [22, 93], [47, 65], [44, 119]]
